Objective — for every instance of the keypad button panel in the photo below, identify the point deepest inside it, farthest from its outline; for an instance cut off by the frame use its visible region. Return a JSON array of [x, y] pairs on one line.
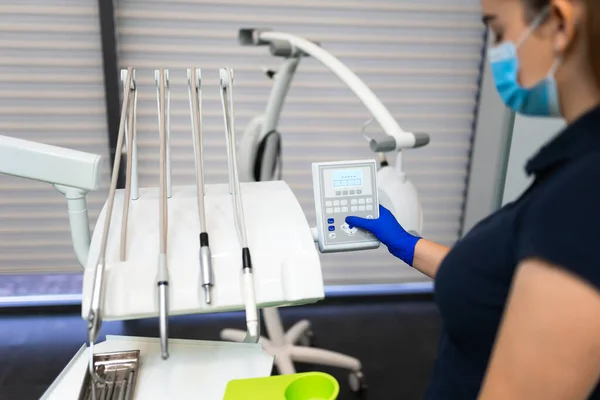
[[339, 208]]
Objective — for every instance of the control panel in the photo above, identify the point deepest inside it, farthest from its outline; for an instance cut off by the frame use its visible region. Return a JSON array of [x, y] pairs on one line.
[[341, 189]]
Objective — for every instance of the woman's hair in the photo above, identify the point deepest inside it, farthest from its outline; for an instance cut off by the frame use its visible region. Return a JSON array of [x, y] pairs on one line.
[[592, 26]]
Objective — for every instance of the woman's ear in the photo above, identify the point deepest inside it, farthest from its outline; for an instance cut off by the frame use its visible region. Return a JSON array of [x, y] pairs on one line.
[[563, 11]]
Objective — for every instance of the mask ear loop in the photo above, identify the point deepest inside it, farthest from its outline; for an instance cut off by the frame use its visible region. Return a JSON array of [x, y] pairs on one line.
[[555, 65], [534, 25]]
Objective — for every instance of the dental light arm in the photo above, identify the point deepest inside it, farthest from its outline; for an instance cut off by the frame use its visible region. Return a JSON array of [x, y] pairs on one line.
[[73, 173], [285, 44], [260, 150]]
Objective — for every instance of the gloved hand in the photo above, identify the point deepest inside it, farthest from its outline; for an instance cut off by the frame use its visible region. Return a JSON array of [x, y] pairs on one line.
[[389, 232]]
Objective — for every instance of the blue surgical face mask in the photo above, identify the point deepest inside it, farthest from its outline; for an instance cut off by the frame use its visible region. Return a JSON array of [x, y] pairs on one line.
[[539, 100]]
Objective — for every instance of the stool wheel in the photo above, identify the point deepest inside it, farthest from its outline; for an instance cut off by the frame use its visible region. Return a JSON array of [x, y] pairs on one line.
[[357, 381]]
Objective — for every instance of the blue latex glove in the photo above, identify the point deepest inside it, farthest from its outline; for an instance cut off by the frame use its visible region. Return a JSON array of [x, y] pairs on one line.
[[389, 232]]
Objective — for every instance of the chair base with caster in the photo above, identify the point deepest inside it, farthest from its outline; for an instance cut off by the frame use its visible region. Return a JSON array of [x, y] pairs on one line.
[[293, 346]]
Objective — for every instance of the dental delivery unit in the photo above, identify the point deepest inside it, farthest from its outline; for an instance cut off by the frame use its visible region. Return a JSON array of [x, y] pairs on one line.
[[204, 248]]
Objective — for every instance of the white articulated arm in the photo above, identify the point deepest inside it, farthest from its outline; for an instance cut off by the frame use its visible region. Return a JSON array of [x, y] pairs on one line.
[[73, 173], [287, 43], [51, 164], [397, 193]]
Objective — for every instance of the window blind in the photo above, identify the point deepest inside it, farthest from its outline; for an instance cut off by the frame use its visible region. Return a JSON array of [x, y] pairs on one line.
[[422, 58], [51, 91]]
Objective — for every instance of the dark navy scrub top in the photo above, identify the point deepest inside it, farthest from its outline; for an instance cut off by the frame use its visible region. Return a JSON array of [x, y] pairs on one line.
[[557, 219]]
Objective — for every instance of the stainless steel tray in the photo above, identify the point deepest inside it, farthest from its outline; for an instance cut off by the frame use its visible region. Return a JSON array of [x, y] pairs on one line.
[[119, 370]]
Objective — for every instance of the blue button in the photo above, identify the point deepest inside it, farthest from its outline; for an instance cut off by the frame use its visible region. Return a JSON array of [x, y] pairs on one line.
[[331, 228], [330, 221]]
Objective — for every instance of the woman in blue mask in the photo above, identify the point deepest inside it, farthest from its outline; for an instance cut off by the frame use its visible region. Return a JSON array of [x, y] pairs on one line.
[[519, 295]]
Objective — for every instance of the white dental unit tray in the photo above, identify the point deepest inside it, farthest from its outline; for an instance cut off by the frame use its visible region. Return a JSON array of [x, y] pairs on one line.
[[196, 369], [287, 267]]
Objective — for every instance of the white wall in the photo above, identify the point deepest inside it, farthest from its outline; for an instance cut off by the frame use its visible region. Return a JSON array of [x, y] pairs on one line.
[[490, 151], [529, 134]]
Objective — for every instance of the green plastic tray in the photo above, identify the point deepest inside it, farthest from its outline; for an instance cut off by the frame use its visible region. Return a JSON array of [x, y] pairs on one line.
[[305, 386]]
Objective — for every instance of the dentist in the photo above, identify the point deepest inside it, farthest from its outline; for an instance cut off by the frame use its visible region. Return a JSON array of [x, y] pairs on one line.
[[519, 295]]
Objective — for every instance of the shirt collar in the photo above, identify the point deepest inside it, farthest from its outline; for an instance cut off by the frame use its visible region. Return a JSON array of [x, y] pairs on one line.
[[576, 140]]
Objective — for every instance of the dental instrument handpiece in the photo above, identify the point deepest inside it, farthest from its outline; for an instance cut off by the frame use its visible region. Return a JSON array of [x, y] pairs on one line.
[[130, 142], [94, 318], [163, 273], [252, 316], [195, 93]]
